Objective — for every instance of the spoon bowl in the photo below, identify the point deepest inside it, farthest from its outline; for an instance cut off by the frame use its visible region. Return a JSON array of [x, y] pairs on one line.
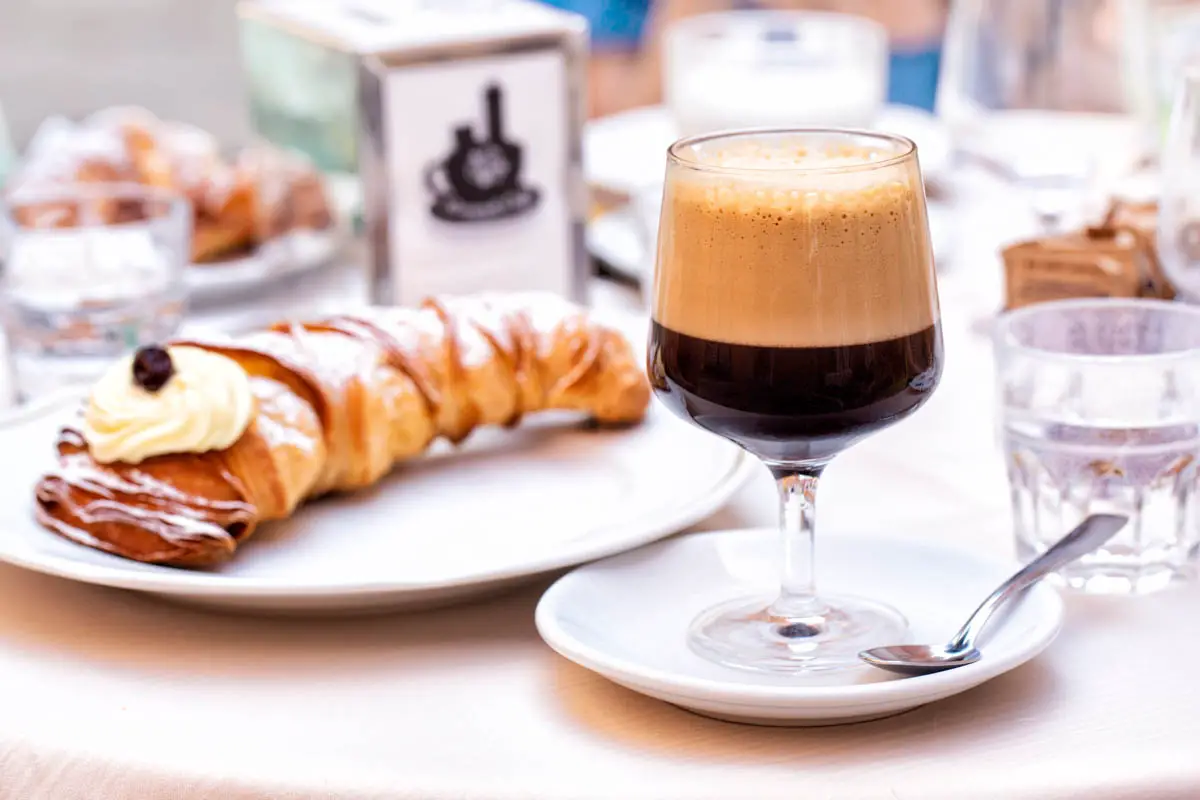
[[919, 659]]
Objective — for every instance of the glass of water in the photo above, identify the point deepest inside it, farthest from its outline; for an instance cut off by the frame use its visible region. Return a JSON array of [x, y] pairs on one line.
[[752, 69], [90, 271], [1099, 404]]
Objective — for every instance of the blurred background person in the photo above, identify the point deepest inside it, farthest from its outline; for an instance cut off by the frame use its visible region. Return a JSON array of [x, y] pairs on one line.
[[627, 35], [622, 70]]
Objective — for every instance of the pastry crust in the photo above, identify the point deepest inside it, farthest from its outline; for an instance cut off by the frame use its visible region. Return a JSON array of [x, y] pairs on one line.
[[339, 402]]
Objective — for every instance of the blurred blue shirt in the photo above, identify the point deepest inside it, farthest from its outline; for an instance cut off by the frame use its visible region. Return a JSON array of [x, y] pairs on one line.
[[913, 76], [619, 24], [616, 24]]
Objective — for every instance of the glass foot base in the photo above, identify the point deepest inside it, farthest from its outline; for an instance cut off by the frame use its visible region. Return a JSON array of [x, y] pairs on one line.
[[745, 634]]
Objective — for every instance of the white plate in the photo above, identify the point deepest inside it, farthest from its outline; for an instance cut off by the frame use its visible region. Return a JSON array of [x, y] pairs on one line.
[[626, 152], [506, 506], [223, 280], [626, 617], [622, 238]]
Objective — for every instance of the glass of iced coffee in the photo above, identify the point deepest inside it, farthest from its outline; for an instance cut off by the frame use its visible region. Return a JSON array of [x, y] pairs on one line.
[[795, 311]]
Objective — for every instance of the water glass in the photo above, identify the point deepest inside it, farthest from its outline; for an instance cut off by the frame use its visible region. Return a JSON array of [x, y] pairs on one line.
[[1054, 96], [1100, 412], [744, 69], [89, 273], [1179, 203]]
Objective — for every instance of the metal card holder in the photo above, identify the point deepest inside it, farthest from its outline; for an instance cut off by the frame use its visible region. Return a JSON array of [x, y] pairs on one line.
[[375, 166]]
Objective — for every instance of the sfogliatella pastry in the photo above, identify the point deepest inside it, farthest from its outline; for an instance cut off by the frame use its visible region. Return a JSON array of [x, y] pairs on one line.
[[181, 452]]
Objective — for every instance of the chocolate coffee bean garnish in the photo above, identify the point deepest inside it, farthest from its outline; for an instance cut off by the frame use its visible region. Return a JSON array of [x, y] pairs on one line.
[[152, 368]]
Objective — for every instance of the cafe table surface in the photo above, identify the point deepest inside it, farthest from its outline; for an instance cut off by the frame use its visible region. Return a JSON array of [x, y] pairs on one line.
[[107, 694]]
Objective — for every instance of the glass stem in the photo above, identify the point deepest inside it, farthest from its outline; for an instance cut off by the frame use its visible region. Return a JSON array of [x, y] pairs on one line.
[[797, 524]]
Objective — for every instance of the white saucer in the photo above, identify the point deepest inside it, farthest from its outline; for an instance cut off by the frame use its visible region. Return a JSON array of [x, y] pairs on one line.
[[626, 617]]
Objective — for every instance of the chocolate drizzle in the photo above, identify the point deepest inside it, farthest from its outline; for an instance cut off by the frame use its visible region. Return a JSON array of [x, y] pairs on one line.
[[146, 509]]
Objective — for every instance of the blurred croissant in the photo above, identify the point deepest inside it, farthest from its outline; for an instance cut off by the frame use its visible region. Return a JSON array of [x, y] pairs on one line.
[[338, 402]]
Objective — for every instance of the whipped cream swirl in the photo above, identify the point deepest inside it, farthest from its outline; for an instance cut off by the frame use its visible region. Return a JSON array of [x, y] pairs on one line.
[[206, 405]]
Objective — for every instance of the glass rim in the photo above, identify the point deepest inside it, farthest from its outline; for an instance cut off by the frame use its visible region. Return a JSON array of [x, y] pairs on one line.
[[908, 151], [719, 21], [1004, 340]]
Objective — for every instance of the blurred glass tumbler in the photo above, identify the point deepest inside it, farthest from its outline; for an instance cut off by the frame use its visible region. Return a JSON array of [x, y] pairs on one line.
[[90, 272], [746, 69], [1100, 412]]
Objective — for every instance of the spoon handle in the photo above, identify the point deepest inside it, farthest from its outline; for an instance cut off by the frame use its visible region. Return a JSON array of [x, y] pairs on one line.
[[1086, 537]]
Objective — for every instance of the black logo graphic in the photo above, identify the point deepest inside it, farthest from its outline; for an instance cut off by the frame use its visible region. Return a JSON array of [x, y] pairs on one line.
[[481, 180]]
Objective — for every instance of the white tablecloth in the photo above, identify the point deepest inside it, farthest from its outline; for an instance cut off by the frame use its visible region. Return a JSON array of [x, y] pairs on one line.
[[106, 695]]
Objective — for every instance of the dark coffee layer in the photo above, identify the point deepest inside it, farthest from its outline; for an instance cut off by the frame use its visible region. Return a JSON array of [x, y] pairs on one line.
[[794, 403]]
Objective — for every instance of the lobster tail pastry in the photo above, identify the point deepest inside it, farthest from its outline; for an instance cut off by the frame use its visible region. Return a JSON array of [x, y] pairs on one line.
[[182, 453]]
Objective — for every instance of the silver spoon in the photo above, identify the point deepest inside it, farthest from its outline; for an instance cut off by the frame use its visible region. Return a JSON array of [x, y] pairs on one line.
[[920, 659]]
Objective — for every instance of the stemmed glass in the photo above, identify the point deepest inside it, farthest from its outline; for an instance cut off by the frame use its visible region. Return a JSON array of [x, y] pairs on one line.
[[794, 312], [1053, 96]]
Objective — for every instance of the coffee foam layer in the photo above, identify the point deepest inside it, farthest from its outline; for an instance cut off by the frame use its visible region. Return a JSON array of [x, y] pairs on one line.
[[780, 155], [795, 259]]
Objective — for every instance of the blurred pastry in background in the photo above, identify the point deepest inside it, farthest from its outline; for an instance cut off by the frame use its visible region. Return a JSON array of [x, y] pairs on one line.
[[237, 204], [291, 195], [187, 160], [1117, 257]]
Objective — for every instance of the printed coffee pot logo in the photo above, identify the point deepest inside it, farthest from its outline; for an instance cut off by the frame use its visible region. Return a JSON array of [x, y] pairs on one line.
[[481, 180]]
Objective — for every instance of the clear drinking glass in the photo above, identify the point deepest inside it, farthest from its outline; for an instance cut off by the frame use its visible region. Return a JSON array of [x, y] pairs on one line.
[[794, 311], [743, 69], [89, 272], [1051, 95], [1100, 412], [1179, 203]]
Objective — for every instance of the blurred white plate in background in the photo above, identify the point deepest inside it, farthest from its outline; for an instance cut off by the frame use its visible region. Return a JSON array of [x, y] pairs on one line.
[[232, 280], [626, 152]]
